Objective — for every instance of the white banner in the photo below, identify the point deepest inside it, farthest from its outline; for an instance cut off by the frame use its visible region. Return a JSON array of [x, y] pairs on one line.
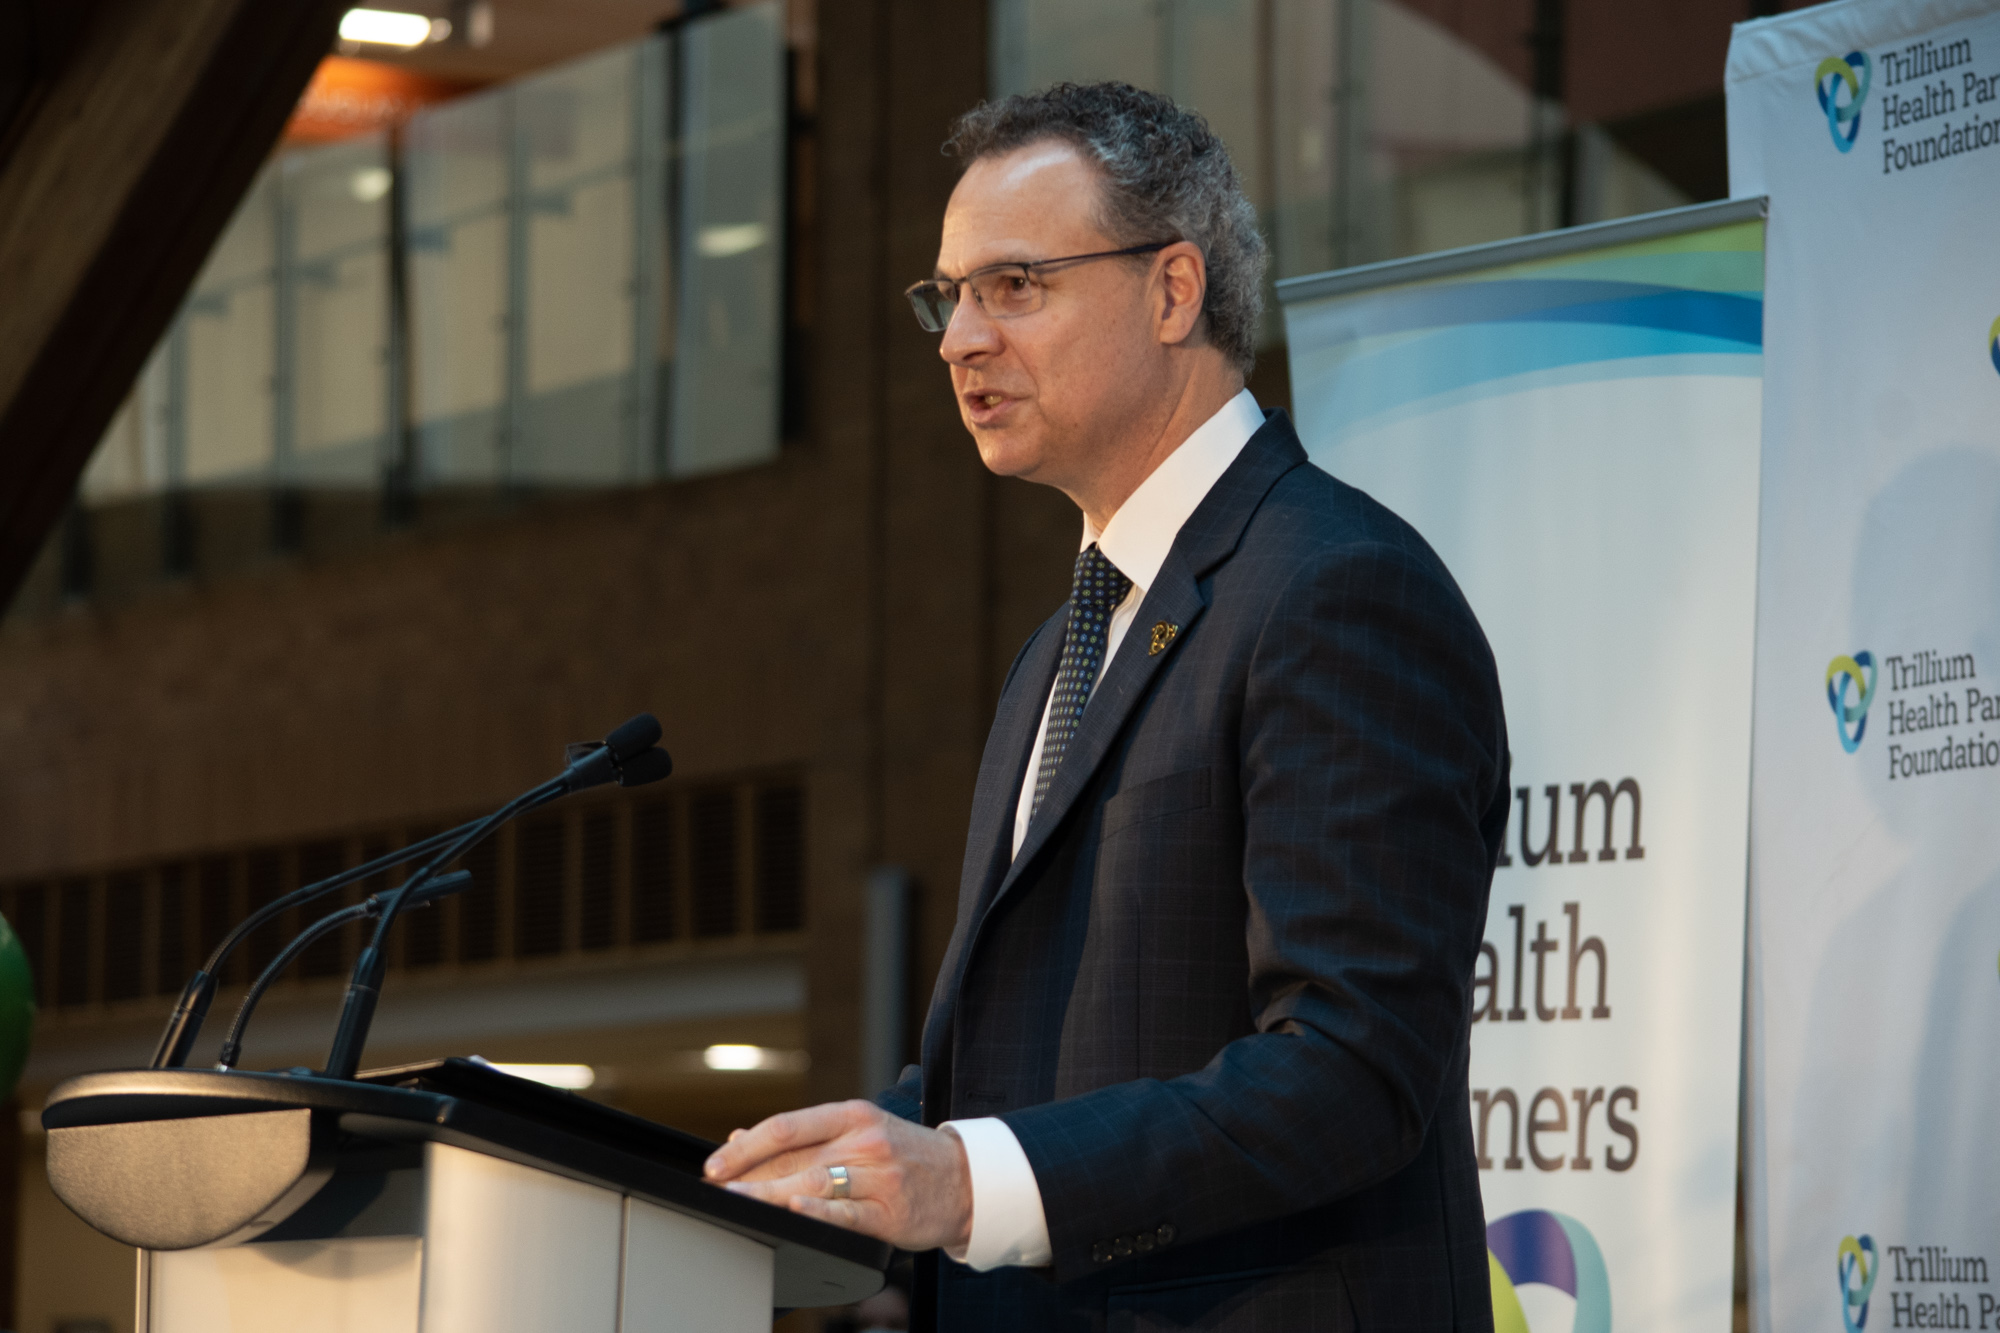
[[1572, 421], [1873, 1180]]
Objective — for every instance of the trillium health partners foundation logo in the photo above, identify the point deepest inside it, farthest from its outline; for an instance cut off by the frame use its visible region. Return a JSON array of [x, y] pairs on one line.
[[1850, 77], [1850, 688], [1537, 1248], [1856, 1265]]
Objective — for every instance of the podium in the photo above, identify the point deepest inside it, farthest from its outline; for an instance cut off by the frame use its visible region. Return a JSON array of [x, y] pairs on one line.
[[444, 1197]]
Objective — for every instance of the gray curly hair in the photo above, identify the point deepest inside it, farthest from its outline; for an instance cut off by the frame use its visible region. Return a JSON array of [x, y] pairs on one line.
[[1166, 176]]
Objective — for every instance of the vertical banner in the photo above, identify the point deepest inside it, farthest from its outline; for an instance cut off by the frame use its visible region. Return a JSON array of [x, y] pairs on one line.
[[1572, 421], [1871, 1172]]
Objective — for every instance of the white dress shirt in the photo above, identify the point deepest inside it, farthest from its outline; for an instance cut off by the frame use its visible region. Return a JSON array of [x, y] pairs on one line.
[[1009, 1227]]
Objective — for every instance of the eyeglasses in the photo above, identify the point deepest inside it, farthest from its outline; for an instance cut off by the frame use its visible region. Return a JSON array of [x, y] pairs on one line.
[[1002, 290]]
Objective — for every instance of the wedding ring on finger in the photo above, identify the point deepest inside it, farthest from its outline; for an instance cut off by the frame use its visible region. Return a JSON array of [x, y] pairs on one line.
[[842, 1184]]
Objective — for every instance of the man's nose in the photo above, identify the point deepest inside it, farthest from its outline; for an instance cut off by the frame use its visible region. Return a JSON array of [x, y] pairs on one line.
[[969, 334]]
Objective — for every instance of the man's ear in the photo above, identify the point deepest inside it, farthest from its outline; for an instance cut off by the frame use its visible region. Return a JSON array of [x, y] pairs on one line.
[[1183, 283]]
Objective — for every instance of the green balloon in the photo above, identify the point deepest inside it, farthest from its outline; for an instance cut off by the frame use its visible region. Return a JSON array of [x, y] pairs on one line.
[[17, 1008]]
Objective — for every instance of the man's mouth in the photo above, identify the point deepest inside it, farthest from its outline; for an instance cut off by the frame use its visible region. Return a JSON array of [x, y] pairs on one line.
[[986, 408]]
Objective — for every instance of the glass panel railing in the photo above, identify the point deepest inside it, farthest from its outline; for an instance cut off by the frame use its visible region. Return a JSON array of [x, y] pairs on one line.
[[1362, 129], [485, 302], [729, 202], [229, 327], [458, 168], [335, 281], [579, 131]]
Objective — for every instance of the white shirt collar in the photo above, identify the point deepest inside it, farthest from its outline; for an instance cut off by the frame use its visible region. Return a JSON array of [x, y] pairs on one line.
[[1141, 533]]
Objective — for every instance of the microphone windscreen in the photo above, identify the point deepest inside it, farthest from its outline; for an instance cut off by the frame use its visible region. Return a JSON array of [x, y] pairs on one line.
[[633, 735], [644, 767]]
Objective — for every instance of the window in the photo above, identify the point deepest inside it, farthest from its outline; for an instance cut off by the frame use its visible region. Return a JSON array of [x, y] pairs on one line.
[[591, 262], [1363, 129], [458, 162], [334, 428], [729, 194], [227, 360]]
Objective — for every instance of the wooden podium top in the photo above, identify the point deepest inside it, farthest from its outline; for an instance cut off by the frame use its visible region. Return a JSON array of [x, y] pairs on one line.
[[149, 1157]]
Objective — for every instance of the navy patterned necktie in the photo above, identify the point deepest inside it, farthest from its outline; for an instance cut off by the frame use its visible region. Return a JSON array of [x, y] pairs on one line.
[[1097, 589]]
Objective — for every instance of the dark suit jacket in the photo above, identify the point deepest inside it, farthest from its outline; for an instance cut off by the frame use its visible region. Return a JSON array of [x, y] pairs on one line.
[[1221, 995]]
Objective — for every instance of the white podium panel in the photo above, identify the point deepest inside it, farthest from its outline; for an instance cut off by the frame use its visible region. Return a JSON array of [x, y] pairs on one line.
[[497, 1247], [509, 1249], [365, 1284], [685, 1276]]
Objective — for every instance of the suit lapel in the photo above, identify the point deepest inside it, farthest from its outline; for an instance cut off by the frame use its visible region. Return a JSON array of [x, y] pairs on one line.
[[1015, 722], [1174, 600], [991, 834], [1177, 598]]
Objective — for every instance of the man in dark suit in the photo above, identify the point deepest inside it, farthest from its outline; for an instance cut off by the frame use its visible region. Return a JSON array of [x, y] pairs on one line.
[[1197, 1054]]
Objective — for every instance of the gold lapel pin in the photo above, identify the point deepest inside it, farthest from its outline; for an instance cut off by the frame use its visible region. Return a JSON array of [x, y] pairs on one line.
[[1163, 634]]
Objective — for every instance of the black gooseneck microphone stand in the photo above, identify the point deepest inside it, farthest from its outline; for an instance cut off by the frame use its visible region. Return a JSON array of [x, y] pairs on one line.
[[199, 993], [232, 1045], [628, 756]]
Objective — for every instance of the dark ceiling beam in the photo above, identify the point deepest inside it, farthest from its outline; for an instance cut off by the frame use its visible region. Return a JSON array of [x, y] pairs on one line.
[[130, 156], [35, 38]]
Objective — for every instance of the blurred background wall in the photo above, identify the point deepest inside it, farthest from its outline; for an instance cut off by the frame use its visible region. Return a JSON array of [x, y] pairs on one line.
[[554, 367]]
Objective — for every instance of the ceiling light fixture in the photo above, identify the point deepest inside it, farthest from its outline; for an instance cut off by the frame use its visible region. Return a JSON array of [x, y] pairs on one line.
[[384, 27], [730, 1055]]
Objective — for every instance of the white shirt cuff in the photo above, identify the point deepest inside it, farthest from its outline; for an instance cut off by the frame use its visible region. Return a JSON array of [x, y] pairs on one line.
[[1009, 1228]]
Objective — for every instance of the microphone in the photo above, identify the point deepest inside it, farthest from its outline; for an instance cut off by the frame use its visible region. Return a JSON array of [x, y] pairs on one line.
[[189, 1013], [628, 744], [644, 767], [633, 735], [597, 762], [441, 887]]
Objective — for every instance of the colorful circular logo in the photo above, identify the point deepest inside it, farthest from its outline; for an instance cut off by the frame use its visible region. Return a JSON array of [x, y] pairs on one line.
[[1856, 1263], [1993, 343], [1830, 80], [1537, 1246], [1850, 688]]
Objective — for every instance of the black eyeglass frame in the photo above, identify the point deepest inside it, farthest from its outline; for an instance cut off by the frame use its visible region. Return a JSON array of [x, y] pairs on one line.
[[914, 292]]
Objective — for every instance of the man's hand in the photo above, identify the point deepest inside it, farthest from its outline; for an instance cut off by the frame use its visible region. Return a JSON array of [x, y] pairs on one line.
[[907, 1184]]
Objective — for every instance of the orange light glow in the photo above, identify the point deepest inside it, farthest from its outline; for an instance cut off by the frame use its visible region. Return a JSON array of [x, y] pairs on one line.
[[348, 97]]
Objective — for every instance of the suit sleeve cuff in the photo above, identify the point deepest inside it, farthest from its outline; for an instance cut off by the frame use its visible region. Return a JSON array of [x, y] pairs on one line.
[[1009, 1228]]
